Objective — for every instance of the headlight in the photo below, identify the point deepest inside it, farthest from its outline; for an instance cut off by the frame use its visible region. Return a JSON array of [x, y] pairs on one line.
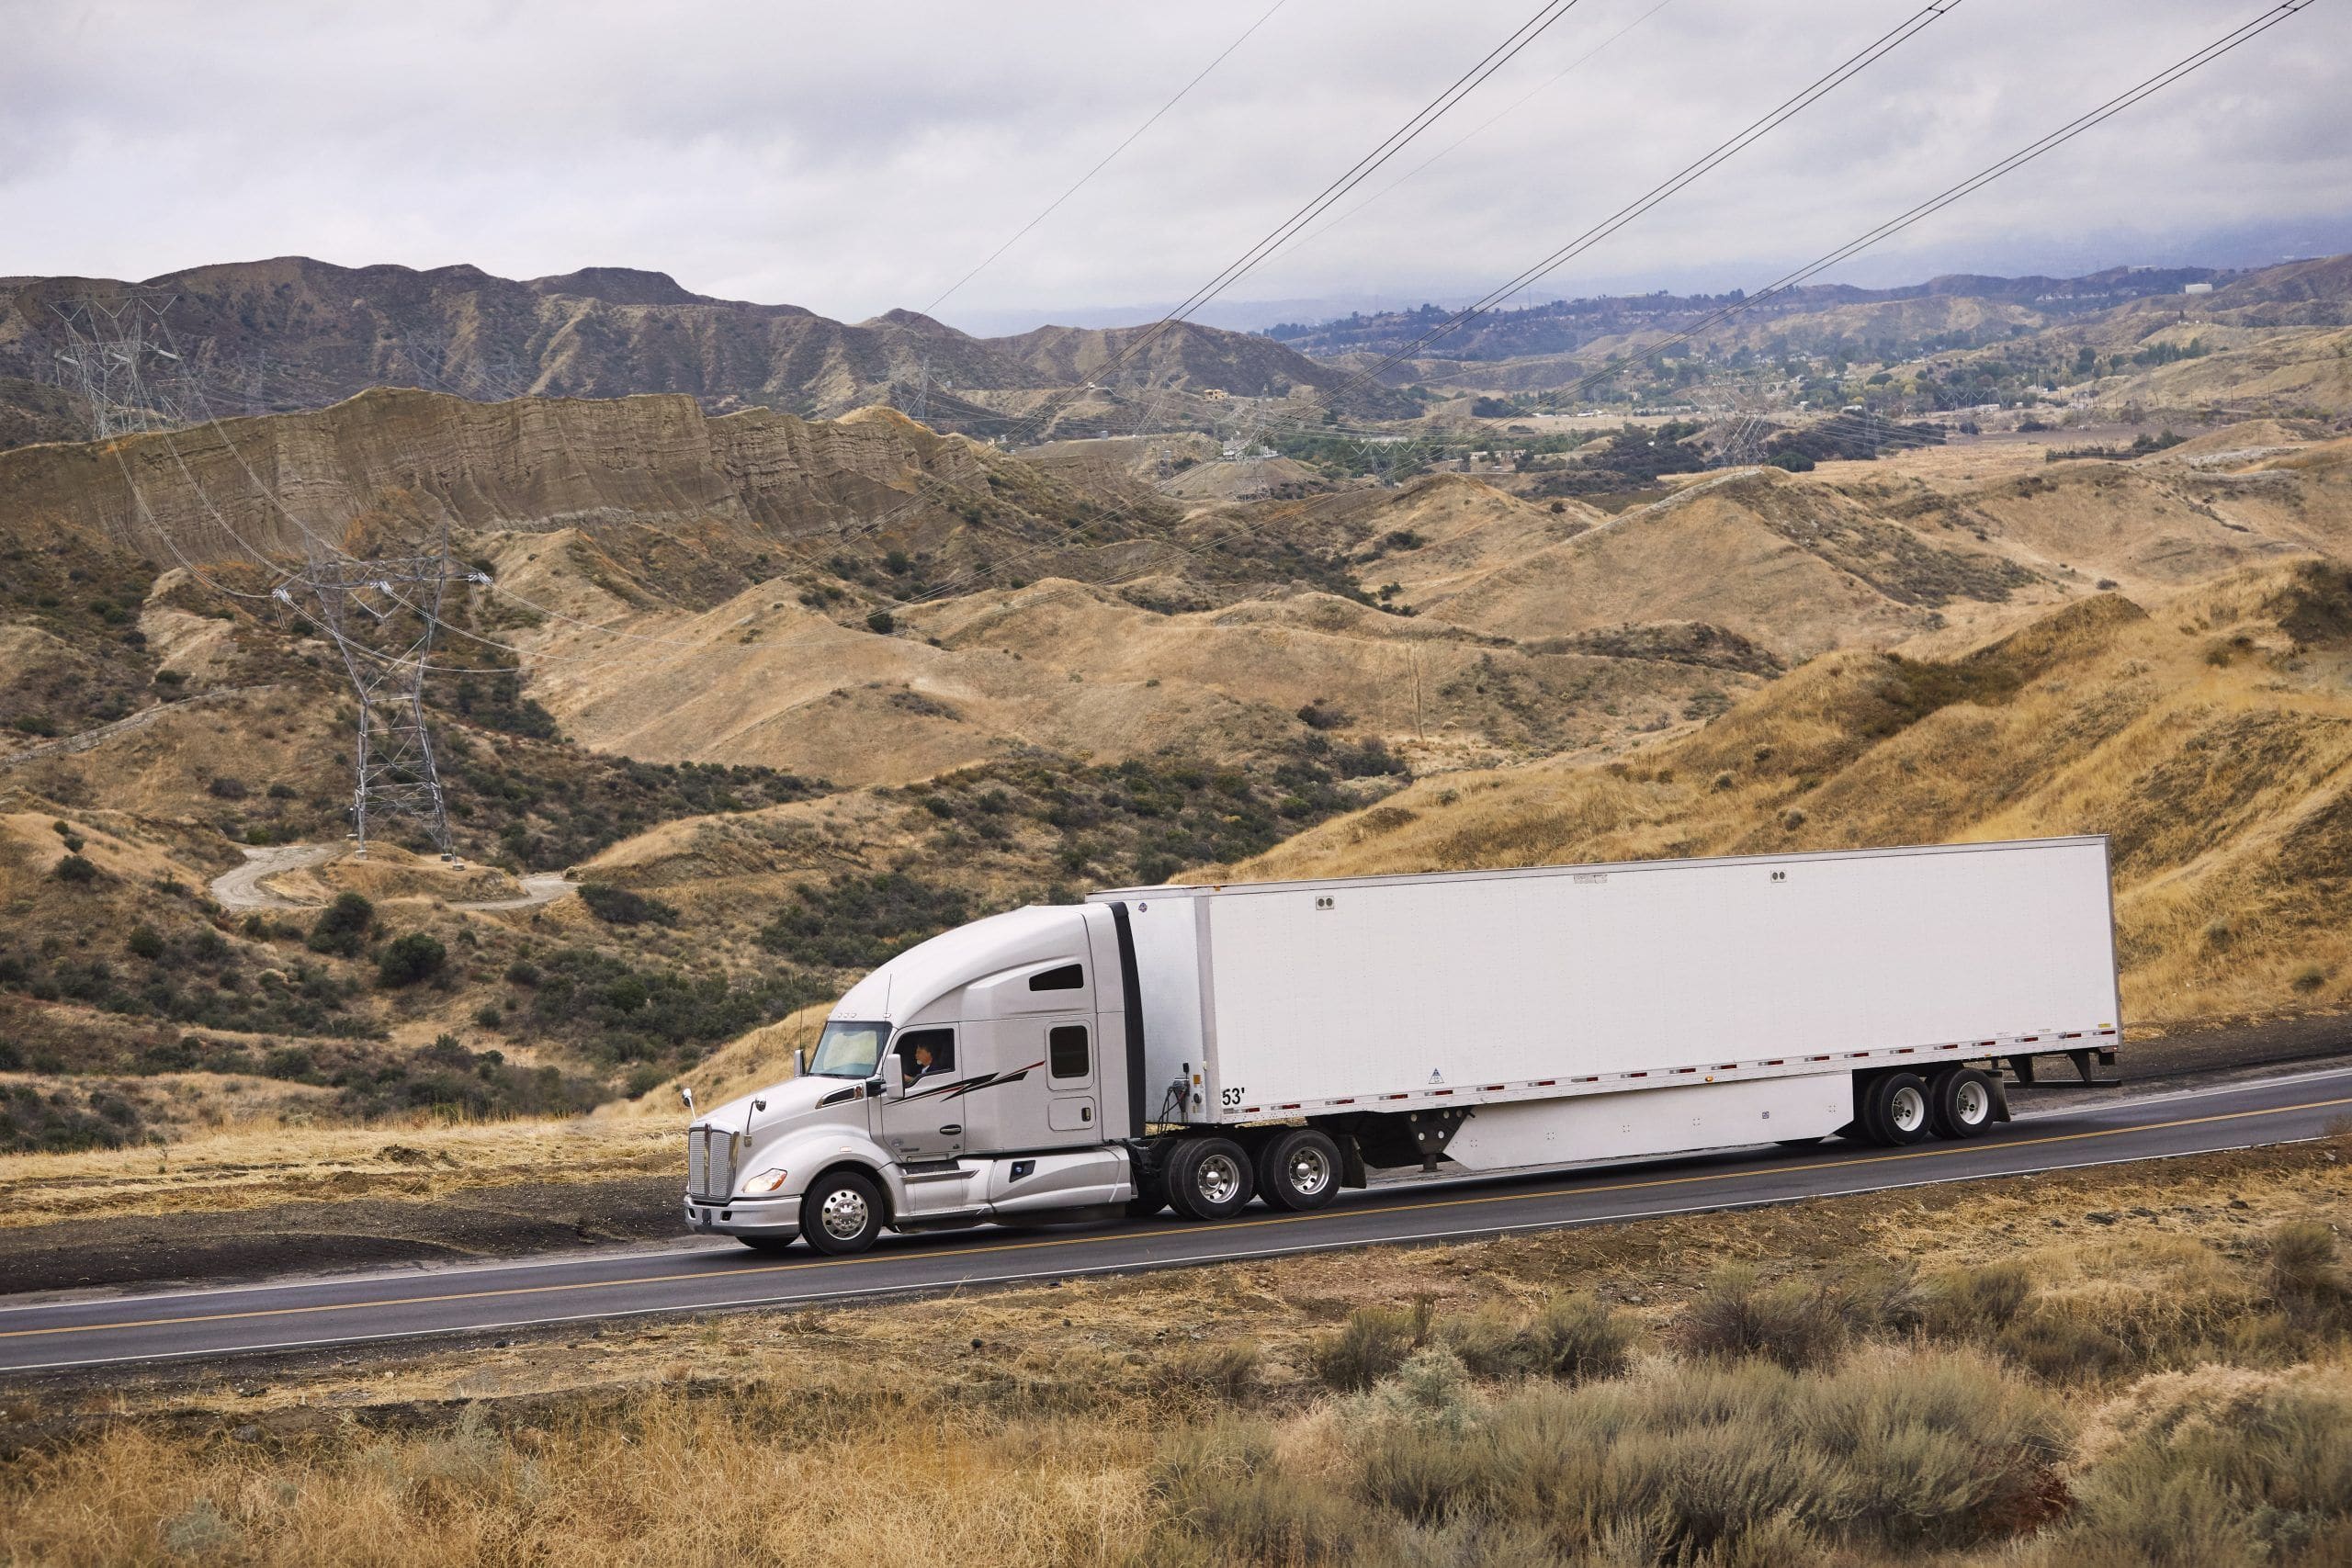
[[766, 1181]]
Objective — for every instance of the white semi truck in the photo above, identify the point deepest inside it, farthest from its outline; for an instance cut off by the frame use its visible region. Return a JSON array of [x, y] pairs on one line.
[[1197, 1047]]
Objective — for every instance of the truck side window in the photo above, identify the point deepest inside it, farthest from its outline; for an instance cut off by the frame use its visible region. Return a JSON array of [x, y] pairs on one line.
[[942, 1045], [1066, 1053], [1068, 977]]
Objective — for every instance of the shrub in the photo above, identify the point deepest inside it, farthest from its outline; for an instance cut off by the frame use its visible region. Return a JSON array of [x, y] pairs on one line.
[[342, 927], [226, 788], [1227, 1370], [1749, 1464], [76, 871], [882, 621], [1794, 1323], [621, 906], [1374, 1342], [1219, 1485], [2062, 1348], [144, 942], [1977, 1304], [1571, 1337], [410, 957], [2267, 1477], [2305, 1278]]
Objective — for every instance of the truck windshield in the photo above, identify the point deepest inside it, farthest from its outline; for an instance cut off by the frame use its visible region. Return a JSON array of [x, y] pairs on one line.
[[848, 1049]]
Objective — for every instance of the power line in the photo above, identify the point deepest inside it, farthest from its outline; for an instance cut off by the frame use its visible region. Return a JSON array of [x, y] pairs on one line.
[[1545, 15], [1837, 76], [1974, 183], [1456, 145], [989, 259]]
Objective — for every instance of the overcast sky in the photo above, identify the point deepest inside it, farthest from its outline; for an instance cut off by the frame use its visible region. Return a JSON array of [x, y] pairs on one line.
[[851, 158]]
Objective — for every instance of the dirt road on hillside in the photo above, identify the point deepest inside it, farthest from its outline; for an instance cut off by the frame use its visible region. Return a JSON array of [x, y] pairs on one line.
[[241, 888]]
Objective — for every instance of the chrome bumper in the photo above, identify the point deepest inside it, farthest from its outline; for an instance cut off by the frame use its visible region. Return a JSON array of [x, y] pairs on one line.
[[715, 1216]]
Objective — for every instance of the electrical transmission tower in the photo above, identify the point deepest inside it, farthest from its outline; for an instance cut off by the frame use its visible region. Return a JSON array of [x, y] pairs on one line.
[[382, 615], [116, 359]]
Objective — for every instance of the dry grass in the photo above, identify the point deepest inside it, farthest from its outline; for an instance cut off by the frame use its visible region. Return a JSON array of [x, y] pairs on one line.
[[1179, 1418], [251, 1167]]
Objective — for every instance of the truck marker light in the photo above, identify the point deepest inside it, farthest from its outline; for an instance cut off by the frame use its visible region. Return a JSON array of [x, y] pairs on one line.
[[1727, 1066], [1776, 1062], [1493, 1088], [1545, 1083]]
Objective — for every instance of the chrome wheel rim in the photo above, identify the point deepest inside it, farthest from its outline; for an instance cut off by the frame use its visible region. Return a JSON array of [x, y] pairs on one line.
[[844, 1213], [1972, 1105], [1908, 1108], [1308, 1171], [1219, 1178]]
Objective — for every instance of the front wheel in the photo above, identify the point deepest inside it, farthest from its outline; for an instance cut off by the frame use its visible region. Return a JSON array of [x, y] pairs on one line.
[[841, 1213], [1299, 1170], [1208, 1178]]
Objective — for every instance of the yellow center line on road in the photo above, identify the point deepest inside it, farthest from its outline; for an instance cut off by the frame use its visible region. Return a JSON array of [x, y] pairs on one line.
[[1943, 1151]]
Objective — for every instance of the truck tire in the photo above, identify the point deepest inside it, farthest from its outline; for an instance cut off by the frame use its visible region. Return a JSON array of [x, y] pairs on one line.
[[1960, 1103], [1208, 1178], [1298, 1170], [841, 1213], [1895, 1110]]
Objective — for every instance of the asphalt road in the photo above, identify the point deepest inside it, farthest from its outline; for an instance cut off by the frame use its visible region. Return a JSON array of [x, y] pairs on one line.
[[702, 1277]]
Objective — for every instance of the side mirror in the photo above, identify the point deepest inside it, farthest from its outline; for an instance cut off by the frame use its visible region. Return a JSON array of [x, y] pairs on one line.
[[687, 1095], [800, 1061], [891, 1074]]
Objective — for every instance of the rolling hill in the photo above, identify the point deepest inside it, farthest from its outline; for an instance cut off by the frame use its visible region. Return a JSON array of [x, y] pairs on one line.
[[293, 332]]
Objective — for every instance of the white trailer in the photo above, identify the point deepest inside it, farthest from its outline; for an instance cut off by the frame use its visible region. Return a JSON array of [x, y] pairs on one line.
[[1196, 1046]]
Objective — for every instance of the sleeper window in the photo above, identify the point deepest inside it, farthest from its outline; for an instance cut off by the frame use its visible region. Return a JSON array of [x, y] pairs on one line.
[[1066, 1053], [1068, 977]]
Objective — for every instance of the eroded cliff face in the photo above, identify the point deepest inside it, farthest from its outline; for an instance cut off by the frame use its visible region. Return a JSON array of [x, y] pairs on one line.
[[397, 460]]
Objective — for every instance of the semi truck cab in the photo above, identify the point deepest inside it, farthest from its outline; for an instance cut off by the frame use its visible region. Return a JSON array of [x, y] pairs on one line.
[[983, 1075]]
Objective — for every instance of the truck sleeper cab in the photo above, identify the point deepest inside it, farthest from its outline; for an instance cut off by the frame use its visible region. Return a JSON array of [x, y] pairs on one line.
[[1196, 1047]]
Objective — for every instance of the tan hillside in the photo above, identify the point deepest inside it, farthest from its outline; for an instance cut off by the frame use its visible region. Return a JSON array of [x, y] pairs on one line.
[[1790, 563], [2209, 734], [2307, 367]]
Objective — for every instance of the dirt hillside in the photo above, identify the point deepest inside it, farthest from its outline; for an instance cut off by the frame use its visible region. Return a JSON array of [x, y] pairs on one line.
[[2207, 732]]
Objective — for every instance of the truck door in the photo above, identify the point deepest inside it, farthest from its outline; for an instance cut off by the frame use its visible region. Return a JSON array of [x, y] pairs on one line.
[[1072, 1112], [925, 1122]]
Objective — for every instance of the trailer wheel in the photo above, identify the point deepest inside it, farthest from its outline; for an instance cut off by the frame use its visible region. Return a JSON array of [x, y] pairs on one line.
[[843, 1213], [1208, 1178], [1960, 1102], [1895, 1109], [1299, 1170]]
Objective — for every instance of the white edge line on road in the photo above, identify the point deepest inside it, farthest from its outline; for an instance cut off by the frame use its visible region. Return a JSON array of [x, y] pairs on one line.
[[692, 1246], [1149, 1266]]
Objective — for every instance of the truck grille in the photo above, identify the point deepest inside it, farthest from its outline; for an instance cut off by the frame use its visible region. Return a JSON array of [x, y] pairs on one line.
[[711, 1163]]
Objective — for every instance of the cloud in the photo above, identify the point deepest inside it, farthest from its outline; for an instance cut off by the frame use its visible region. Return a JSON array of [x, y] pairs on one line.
[[856, 158]]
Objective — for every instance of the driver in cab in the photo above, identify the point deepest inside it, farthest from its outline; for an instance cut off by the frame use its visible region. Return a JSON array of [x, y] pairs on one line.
[[921, 1064]]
